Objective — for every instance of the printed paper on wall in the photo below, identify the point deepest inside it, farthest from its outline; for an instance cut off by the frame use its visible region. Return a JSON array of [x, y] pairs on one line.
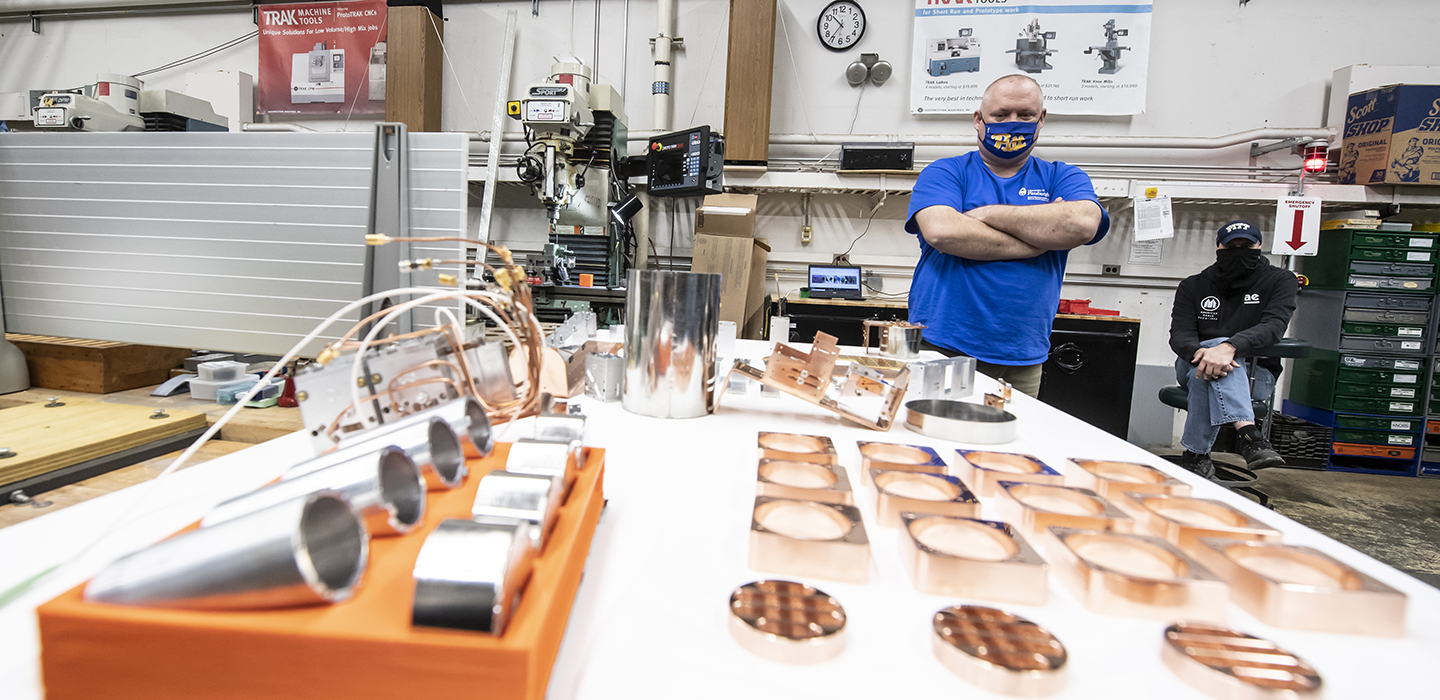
[[322, 58], [1089, 58]]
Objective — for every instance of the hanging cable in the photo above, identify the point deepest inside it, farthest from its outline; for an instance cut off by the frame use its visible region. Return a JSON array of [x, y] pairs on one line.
[[203, 54]]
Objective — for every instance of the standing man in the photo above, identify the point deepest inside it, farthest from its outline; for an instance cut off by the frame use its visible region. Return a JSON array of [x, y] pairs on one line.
[[1229, 310], [995, 227]]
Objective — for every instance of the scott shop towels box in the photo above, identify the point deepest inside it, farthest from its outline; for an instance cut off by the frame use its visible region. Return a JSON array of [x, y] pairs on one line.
[[1392, 137]]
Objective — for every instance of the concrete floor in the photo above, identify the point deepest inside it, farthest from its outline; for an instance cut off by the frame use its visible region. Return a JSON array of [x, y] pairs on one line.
[[1394, 519]]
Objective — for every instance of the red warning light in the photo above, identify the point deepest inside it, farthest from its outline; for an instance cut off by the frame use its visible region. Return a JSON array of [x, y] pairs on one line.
[[1316, 157]]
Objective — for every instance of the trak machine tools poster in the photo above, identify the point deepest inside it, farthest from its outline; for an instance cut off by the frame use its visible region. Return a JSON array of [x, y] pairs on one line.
[[322, 58], [1089, 58]]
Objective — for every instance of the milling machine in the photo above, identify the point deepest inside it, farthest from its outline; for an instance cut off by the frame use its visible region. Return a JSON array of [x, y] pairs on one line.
[[1110, 52], [1031, 49]]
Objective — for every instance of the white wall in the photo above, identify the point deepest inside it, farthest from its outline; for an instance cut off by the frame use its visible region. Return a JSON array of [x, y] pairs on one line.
[[1215, 68]]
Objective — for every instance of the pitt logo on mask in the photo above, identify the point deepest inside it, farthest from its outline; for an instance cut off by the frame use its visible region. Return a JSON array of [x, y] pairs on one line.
[[1008, 140]]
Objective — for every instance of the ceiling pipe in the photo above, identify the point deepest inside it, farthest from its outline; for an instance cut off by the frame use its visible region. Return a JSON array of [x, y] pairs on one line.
[[62, 5]]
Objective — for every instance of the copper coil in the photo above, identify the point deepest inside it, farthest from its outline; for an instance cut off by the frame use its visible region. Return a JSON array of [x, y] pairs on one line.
[[1229, 664]]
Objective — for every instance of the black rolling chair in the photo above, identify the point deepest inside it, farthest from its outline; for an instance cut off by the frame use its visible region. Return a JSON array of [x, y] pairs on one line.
[[1239, 478]]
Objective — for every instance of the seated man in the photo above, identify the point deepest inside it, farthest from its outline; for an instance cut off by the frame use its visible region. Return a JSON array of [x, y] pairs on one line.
[[1229, 310]]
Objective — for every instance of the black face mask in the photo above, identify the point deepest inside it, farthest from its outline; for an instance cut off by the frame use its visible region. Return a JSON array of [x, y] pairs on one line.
[[1235, 264]]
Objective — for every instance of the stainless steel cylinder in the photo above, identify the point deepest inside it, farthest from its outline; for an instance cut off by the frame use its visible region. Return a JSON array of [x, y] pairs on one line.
[[304, 551], [427, 438], [544, 457], [468, 418], [672, 326], [530, 497], [386, 487], [604, 374], [469, 574], [901, 343]]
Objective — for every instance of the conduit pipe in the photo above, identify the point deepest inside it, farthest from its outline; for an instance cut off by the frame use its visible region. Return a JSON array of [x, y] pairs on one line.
[[664, 46], [1048, 141], [48, 5]]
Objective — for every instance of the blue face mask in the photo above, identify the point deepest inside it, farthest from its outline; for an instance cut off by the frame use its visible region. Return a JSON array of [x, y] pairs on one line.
[[1009, 139]]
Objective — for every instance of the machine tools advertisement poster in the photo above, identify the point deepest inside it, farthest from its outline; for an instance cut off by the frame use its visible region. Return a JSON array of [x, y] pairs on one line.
[[1089, 58], [322, 58]]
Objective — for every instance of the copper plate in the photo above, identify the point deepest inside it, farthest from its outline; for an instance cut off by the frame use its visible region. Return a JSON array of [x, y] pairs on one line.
[[797, 448], [971, 558], [982, 471], [787, 621], [1034, 508], [998, 651], [805, 481], [1109, 478], [804, 538], [1183, 520], [1231, 665], [1296, 587], [892, 457], [1136, 576], [937, 494]]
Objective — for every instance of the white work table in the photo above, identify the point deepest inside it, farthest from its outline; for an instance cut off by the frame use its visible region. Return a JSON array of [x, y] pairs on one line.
[[650, 617]]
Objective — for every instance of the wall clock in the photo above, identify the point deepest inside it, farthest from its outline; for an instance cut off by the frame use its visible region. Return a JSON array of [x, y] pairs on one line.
[[840, 25]]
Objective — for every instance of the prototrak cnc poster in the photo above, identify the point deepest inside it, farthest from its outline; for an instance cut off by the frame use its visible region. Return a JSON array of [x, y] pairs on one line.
[[961, 46], [316, 58]]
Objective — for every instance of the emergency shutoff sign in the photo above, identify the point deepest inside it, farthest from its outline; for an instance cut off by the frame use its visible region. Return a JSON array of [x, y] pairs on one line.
[[1297, 226]]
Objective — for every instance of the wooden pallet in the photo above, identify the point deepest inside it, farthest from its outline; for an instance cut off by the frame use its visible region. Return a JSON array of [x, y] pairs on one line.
[[94, 366]]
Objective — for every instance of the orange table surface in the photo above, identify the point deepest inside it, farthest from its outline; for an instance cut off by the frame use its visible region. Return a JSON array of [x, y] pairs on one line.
[[363, 648]]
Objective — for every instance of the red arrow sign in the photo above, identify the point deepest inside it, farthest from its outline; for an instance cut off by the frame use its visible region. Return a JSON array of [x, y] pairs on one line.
[[1295, 241]]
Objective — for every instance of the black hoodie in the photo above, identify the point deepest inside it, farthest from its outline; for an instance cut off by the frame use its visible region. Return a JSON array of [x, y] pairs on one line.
[[1252, 311]]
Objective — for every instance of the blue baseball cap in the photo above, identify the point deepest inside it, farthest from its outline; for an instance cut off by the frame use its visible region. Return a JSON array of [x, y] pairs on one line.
[[1237, 229]]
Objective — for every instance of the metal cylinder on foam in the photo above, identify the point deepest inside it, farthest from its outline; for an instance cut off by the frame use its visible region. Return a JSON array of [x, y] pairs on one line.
[[428, 439], [469, 574], [385, 485], [306, 551], [672, 328], [468, 418]]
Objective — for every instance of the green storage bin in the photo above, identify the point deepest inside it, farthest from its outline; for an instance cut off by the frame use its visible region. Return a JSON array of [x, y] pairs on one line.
[[1379, 391], [1370, 437], [1392, 239], [1372, 423], [1378, 406], [1383, 330], [1380, 376], [1392, 254]]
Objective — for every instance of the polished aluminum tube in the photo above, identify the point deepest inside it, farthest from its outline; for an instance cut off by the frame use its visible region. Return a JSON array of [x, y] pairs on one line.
[[428, 439], [305, 551], [469, 574], [560, 426], [385, 486], [672, 328], [468, 418], [901, 343], [544, 457], [530, 497]]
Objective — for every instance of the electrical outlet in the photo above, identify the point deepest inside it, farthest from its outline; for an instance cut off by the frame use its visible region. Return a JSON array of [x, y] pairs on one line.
[[805, 232], [1110, 270], [873, 281]]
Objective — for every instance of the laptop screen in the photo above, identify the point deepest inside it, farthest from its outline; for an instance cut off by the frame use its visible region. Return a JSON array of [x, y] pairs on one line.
[[835, 282]]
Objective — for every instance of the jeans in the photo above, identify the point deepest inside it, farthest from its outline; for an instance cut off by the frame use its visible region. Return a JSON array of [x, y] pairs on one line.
[[1218, 402]]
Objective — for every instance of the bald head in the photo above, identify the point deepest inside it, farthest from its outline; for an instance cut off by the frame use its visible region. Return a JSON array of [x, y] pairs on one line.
[[1015, 86]]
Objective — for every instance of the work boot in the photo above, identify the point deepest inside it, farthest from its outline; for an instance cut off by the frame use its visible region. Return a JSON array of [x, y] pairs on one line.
[[1256, 450], [1198, 463]]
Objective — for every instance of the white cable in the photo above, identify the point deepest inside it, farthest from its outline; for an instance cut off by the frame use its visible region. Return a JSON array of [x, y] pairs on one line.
[[799, 86], [708, 65], [446, 53], [364, 77]]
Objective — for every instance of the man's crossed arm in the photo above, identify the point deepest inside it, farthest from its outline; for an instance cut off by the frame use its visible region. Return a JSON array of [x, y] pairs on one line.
[[1005, 232]]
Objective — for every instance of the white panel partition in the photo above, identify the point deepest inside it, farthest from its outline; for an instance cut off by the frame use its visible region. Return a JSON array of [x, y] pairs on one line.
[[225, 241]]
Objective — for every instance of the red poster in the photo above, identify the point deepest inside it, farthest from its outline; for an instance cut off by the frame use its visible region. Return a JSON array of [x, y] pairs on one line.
[[322, 58]]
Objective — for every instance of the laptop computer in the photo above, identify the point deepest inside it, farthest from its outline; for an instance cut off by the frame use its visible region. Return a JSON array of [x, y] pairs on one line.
[[835, 282]]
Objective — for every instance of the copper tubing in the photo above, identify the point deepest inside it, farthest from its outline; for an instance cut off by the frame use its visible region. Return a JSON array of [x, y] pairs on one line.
[[998, 651], [1227, 664], [1298, 587], [982, 471], [797, 448], [787, 622], [891, 457], [803, 538], [1135, 576], [1110, 478], [804, 481], [970, 558], [931, 494], [1183, 520]]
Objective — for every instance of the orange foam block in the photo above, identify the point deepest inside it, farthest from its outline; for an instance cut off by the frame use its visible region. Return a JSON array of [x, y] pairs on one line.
[[363, 648]]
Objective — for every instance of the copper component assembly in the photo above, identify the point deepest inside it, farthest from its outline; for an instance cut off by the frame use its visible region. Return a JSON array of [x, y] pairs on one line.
[[1036, 507], [929, 494], [982, 471], [1302, 588], [1223, 663], [804, 538], [971, 558], [891, 457], [998, 651], [1110, 478], [797, 448], [787, 622], [1135, 576], [804, 481], [866, 397], [1182, 520]]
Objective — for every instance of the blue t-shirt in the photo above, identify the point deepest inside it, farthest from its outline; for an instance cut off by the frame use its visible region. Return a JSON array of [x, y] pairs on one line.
[[997, 311]]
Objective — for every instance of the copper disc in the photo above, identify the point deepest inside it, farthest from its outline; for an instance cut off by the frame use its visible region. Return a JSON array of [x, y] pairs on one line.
[[787, 621], [1226, 663], [999, 651]]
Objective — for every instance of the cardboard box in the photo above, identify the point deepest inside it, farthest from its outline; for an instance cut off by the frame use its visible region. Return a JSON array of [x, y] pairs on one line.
[[725, 244], [1392, 137]]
